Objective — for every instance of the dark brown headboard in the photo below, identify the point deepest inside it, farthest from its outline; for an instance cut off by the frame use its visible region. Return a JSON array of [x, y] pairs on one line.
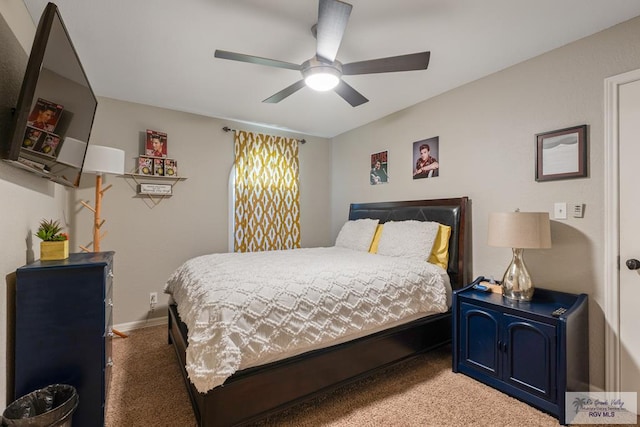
[[453, 212]]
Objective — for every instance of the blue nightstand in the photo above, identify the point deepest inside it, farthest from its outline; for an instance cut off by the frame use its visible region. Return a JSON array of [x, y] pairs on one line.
[[521, 348]]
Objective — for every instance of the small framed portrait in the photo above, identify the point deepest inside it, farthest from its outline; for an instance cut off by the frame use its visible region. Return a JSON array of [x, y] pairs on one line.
[[156, 144], [49, 144], [158, 167], [170, 167], [145, 165], [31, 138], [425, 158], [561, 154], [45, 115], [379, 168]]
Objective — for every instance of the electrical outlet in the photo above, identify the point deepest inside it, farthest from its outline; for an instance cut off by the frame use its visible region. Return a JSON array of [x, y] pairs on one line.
[[153, 300]]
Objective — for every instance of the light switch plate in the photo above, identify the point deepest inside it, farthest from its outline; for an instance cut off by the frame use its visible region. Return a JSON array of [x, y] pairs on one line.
[[578, 210], [560, 210]]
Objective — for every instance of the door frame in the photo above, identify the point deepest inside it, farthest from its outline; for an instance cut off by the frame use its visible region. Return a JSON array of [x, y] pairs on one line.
[[612, 226]]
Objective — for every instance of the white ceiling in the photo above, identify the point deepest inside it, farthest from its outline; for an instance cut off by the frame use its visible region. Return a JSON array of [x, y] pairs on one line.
[[160, 52]]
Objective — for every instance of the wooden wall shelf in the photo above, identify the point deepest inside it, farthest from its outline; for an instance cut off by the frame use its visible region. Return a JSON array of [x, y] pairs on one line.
[[154, 199]]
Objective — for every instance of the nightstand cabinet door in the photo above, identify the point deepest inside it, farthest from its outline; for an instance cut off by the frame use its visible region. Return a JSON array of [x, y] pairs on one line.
[[480, 338], [530, 356], [62, 330]]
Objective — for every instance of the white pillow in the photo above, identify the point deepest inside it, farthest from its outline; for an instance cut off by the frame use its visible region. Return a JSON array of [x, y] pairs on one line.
[[411, 239], [357, 234]]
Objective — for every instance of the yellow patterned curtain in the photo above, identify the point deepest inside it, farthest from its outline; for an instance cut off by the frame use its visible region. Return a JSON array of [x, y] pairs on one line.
[[267, 198]]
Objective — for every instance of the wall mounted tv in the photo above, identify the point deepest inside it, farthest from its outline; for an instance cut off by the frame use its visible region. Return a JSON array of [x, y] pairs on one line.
[[55, 109]]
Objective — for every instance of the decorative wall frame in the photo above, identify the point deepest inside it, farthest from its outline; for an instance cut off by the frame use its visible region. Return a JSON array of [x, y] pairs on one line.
[[379, 172], [561, 154], [425, 158]]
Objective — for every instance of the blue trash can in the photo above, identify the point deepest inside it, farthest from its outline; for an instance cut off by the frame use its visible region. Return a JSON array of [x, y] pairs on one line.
[[52, 406]]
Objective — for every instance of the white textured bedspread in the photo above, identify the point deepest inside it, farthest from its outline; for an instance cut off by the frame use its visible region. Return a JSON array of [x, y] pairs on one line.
[[247, 309]]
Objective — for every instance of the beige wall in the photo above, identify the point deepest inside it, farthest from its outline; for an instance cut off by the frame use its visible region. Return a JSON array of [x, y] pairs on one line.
[[151, 240], [487, 152]]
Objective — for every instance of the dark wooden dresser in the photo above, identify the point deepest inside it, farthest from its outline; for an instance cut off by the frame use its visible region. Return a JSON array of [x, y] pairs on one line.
[[63, 329]]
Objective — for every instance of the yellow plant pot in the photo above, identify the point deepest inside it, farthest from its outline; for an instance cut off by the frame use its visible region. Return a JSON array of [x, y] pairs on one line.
[[50, 251]]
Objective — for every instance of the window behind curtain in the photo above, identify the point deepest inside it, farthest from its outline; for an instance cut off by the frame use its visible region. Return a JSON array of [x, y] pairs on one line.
[[266, 191]]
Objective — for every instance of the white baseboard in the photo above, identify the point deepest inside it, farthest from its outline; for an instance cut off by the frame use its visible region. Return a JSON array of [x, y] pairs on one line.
[[130, 326]]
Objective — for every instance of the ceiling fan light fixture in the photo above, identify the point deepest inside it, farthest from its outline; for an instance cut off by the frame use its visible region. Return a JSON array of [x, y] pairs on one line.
[[322, 81], [321, 76]]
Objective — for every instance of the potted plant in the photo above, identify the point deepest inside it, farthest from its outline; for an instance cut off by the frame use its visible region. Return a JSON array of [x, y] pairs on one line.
[[54, 245]]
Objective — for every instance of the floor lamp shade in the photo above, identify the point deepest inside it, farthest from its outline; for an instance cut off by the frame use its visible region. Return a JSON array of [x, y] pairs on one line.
[[103, 160], [519, 231]]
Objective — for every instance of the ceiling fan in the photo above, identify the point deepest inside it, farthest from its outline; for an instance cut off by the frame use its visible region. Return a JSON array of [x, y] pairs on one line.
[[323, 72]]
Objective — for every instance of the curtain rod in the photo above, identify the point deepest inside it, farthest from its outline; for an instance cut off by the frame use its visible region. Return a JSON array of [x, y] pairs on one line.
[[228, 129]]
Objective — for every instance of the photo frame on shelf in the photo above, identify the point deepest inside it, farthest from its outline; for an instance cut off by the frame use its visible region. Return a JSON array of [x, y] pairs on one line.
[[158, 167], [156, 144], [170, 167], [145, 165], [561, 154], [45, 115], [31, 138], [48, 145]]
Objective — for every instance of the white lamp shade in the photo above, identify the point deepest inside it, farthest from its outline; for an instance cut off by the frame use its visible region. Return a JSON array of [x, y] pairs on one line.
[[103, 160], [519, 230]]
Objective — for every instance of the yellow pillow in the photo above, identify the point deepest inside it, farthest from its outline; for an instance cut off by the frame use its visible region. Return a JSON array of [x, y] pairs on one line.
[[376, 239], [440, 251]]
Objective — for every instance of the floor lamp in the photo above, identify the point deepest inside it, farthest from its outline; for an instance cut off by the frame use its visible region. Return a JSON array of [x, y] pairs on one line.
[[101, 160]]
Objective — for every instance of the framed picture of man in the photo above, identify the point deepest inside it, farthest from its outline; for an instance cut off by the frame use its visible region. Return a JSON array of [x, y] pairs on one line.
[[156, 144], [45, 115], [379, 168], [425, 158]]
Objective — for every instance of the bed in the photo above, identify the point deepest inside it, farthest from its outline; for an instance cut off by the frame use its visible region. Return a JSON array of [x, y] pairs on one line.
[[255, 392]]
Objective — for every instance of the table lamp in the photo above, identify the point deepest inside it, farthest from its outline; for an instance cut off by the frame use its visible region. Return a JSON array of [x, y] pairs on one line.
[[519, 231], [101, 160]]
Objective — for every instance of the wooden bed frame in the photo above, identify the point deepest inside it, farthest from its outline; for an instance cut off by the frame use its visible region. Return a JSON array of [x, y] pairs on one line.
[[254, 393]]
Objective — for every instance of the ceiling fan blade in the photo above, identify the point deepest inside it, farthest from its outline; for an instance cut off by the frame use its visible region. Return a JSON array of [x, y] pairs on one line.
[[414, 61], [332, 21], [285, 92], [223, 54], [349, 94]]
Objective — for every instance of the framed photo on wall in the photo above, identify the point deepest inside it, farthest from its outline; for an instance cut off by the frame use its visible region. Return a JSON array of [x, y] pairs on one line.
[[425, 158], [379, 168], [561, 154]]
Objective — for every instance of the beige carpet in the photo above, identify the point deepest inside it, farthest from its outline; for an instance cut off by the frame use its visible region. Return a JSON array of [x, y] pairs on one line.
[[148, 390]]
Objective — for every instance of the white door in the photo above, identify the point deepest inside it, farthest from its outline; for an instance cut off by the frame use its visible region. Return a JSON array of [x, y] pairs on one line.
[[629, 146]]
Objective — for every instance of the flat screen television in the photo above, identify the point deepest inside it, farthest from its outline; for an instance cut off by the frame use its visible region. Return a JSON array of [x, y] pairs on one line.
[[55, 109]]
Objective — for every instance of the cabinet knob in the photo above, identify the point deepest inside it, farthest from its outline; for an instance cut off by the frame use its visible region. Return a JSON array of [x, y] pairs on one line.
[[633, 264]]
